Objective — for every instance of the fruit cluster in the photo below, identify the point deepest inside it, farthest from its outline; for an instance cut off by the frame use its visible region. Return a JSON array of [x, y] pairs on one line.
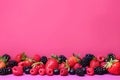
[[60, 65]]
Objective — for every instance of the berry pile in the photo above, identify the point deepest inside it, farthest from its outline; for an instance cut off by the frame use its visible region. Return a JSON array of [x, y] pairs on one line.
[[60, 65]]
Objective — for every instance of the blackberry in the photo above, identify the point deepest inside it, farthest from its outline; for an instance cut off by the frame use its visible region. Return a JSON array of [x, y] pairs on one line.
[[86, 60], [27, 69], [99, 70], [5, 71], [111, 56], [72, 71], [105, 71], [56, 71], [79, 72], [62, 58], [6, 57], [84, 69], [44, 59], [12, 63]]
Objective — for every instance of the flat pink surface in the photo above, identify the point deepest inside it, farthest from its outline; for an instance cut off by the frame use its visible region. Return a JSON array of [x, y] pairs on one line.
[[59, 26], [38, 77]]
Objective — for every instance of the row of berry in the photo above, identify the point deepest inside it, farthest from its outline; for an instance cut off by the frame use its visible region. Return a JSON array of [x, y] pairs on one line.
[[60, 65]]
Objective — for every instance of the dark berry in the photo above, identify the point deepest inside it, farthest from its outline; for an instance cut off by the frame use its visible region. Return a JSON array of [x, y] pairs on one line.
[[6, 57], [12, 63], [84, 69], [105, 71], [56, 71], [27, 69], [8, 70], [3, 71], [111, 56], [62, 58], [44, 59], [79, 72], [72, 71], [98, 70]]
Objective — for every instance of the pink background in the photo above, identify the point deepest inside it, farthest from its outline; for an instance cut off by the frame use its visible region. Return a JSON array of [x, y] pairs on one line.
[[59, 26]]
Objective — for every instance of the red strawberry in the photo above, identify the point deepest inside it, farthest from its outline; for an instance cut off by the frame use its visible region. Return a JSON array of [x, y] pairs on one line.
[[49, 71], [17, 70], [73, 60], [64, 65], [20, 57], [77, 65], [52, 63], [63, 72], [34, 71], [113, 67], [94, 63], [36, 58], [28, 62], [101, 58], [90, 71], [21, 64], [42, 71], [118, 57]]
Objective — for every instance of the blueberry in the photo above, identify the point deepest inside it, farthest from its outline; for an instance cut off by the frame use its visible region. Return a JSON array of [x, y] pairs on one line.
[[72, 71], [56, 71]]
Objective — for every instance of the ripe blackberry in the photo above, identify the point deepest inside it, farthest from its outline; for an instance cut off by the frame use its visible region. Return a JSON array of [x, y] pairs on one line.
[[99, 70], [27, 69], [6, 57], [62, 58], [44, 59], [12, 63], [84, 69], [111, 56], [79, 72], [86, 60], [105, 71], [5, 71]]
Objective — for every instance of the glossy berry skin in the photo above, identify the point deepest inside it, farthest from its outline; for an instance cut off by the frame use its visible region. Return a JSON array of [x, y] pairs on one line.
[[79, 72], [49, 72], [33, 71], [27, 69], [17, 70], [63, 72], [90, 71], [42, 71], [77, 65], [12, 63], [72, 71], [98, 70], [51, 64], [5, 71], [36, 57], [84, 69], [44, 59], [56, 71], [94, 63], [72, 61]]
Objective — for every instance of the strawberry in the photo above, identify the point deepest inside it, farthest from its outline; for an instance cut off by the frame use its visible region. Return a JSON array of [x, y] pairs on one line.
[[28, 62], [118, 57], [94, 63], [49, 71], [77, 65], [52, 63], [101, 58], [73, 60], [113, 67], [63, 72], [17, 70], [21, 64], [34, 71], [2, 64], [20, 57], [36, 57], [42, 71], [64, 65], [90, 71]]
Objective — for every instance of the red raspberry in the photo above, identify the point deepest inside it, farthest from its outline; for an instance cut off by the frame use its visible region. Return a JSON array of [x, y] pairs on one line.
[[63, 72], [49, 72], [42, 71], [90, 71], [34, 71], [77, 65]]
